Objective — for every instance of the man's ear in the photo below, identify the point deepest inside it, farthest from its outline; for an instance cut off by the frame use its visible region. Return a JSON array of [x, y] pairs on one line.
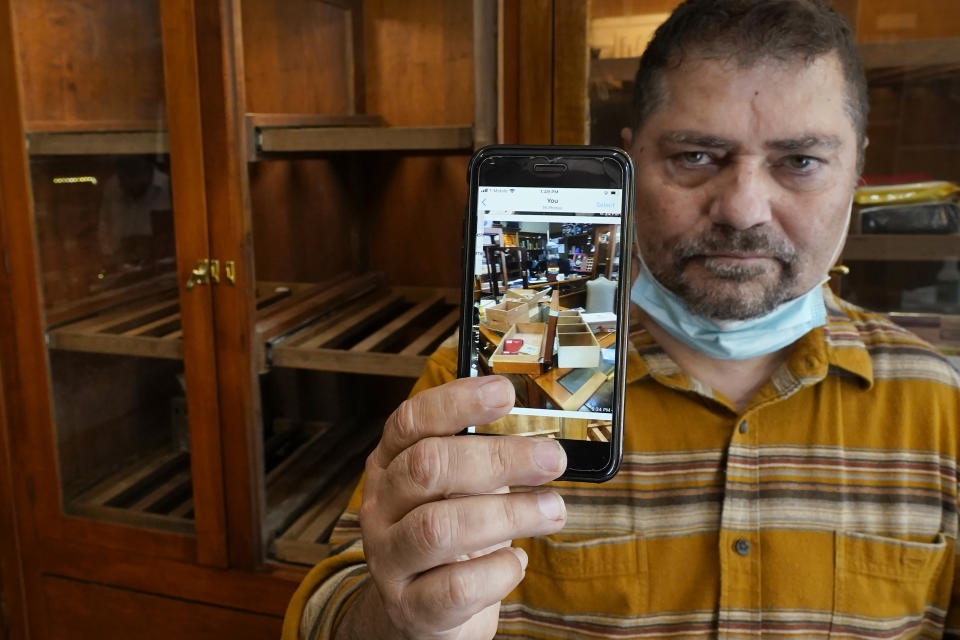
[[626, 136], [862, 160]]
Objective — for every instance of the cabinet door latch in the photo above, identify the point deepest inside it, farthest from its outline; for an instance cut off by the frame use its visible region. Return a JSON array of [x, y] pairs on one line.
[[200, 274], [207, 271]]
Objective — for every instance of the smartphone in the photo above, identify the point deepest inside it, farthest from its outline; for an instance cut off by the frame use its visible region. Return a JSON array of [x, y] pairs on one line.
[[546, 271]]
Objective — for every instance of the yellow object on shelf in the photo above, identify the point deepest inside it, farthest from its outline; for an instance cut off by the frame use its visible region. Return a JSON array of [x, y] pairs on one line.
[[905, 193]]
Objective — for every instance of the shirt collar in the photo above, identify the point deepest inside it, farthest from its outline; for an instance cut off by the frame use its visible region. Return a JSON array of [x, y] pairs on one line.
[[646, 358], [842, 340], [837, 346]]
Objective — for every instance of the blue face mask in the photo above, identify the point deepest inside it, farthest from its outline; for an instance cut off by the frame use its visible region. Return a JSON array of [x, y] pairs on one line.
[[729, 340]]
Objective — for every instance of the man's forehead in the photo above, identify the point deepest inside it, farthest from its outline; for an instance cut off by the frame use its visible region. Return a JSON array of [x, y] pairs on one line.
[[791, 105]]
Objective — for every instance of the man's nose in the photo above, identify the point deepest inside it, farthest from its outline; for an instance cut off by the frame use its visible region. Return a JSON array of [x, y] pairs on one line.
[[742, 197]]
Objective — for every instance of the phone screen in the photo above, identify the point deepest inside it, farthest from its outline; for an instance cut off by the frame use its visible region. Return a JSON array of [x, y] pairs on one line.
[[547, 257]]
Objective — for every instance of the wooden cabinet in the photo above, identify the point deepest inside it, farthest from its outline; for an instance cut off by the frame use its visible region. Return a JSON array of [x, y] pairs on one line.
[[208, 300]]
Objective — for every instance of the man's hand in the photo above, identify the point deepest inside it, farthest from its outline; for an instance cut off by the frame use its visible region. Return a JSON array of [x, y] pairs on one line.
[[438, 518]]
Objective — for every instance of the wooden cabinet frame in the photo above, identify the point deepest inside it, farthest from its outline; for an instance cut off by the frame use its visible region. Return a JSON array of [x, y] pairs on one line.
[[26, 389], [544, 62], [209, 140]]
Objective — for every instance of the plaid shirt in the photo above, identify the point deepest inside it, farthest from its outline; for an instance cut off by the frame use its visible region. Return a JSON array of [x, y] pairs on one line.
[[827, 508]]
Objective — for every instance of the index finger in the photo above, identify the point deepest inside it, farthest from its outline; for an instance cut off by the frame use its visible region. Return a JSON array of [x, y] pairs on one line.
[[443, 411]]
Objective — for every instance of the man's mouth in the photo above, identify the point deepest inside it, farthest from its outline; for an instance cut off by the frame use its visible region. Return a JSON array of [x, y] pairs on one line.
[[737, 256], [743, 259]]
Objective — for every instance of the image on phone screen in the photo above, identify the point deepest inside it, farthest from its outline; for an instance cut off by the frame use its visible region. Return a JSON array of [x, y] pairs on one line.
[[545, 270]]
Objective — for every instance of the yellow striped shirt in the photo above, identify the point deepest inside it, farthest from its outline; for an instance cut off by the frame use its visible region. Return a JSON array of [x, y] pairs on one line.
[[825, 509]]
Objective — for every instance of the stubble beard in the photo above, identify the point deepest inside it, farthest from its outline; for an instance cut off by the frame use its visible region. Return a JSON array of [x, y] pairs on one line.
[[731, 291]]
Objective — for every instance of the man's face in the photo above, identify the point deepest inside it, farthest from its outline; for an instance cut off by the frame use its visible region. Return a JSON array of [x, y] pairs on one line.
[[744, 180]]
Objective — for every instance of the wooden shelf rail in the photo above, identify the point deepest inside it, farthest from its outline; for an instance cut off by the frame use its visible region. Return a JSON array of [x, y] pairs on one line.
[[389, 332], [901, 247], [327, 139], [82, 143], [267, 133], [150, 327], [302, 492], [355, 325], [310, 469], [153, 492]]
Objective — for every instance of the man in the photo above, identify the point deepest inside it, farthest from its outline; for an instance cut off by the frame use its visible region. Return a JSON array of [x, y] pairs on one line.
[[790, 461]]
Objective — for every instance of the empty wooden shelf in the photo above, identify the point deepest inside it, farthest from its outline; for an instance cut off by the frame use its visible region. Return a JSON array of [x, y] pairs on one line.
[[389, 332], [154, 491], [150, 327]]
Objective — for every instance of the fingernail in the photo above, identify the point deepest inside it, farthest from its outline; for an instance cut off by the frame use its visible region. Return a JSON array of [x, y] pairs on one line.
[[551, 505], [521, 556], [495, 393], [549, 456]]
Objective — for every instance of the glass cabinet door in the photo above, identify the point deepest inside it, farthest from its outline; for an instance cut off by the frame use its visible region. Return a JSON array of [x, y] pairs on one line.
[[355, 278], [106, 232], [901, 256]]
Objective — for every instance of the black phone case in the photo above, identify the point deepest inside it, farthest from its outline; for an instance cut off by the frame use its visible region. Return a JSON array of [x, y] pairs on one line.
[[577, 453]]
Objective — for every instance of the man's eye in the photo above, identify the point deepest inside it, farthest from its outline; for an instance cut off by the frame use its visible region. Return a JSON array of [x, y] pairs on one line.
[[694, 158], [801, 163]]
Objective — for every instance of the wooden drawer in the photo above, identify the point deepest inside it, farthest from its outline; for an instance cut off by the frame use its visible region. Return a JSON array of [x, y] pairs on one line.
[[88, 610], [532, 334], [506, 314], [576, 345]]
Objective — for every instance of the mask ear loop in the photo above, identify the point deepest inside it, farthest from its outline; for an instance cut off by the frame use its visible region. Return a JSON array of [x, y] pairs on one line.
[[846, 232], [636, 262]]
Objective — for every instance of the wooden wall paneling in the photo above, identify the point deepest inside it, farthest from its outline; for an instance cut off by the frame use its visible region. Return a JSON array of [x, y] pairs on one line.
[[508, 71], [357, 46], [89, 64], [414, 227], [614, 8], [79, 610], [13, 612], [302, 229], [892, 20], [535, 72], [26, 368], [849, 9], [196, 305], [266, 591], [419, 73], [485, 14], [302, 232], [295, 57], [419, 57], [20, 336], [221, 67], [571, 67]]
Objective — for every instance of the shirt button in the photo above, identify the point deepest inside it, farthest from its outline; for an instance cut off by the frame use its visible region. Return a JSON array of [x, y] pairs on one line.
[[742, 547], [743, 427]]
